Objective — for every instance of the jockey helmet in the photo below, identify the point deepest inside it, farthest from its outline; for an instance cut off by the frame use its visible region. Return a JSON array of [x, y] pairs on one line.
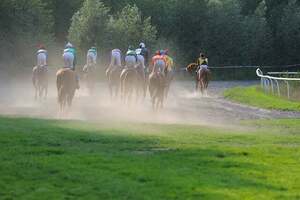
[[41, 46], [142, 45], [202, 55], [157, 52], [94, 48], [162, 52], [167, 51], [69, 45], [130, 47]]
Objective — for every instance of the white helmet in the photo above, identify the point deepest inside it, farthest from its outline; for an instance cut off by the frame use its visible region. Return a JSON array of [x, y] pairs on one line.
[[142, 45], [69, 45]]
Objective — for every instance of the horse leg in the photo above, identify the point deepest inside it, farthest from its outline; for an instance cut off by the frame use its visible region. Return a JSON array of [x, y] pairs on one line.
[[36, 92], [40, 92], [202, 87], [46, 92]]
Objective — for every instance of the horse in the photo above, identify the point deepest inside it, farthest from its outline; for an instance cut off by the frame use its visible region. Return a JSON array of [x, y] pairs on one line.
[[90, 77], [157, 87], [169, 75], [129, 80], [113, 76], [141, 87], [40, 82], [201, 78], [66, 82]]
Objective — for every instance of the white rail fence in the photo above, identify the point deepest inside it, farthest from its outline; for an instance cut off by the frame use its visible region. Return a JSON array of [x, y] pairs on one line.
[[271, 83]]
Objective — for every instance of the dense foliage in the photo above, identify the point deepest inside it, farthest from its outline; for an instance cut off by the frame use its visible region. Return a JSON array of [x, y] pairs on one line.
[[231, 32]]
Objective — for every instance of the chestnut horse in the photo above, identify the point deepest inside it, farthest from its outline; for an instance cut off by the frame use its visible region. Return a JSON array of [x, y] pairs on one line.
[[129, 81], [201, 78], [66, 86], [90, 77], [40, 82], [114, 81], [157, 87]]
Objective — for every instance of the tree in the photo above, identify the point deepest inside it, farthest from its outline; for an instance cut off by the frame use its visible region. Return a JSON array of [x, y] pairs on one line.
[[289, 34], [128, 28], [89, 25], [24, 24], [62, 12]]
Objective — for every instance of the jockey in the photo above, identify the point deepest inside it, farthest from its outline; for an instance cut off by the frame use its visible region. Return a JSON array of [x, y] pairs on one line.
[[170, 62], [69, 56], [131, 58], [116, 58], [159, 62], [91, 57], [42, 56], [140, 62], [202, 62], [142, 50]]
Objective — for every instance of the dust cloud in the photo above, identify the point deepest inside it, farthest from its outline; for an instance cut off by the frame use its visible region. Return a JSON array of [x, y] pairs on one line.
[[183, 106]]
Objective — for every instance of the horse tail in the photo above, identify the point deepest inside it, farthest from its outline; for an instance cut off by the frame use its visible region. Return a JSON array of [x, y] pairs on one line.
[[34, 76], [59, 85]]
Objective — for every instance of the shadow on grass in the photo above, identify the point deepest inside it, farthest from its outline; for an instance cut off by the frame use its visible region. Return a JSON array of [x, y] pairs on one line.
[[40, 157]]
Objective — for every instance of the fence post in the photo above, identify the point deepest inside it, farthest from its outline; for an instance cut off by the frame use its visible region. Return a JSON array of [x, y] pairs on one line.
[[288, 89], [278, 88]]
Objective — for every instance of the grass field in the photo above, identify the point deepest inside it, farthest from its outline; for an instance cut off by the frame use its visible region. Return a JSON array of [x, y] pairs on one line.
[[48, 159], [256, 97]]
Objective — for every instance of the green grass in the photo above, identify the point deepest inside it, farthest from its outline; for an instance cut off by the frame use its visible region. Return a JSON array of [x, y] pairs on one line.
[[256, 97], [47, 159]]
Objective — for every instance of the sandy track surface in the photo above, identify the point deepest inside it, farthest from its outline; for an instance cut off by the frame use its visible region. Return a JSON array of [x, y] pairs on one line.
[[182, 106]]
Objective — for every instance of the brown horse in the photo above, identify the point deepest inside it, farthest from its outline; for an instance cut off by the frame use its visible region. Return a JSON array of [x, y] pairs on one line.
[[141, 87], [66, 86], [157, 86], [113, 75], [129, 81], [40, 82], [169, 78], [201, 78], [90, 77]]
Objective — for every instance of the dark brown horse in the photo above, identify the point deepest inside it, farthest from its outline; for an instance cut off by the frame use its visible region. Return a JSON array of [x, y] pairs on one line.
[[40, 82], [129, 84], [157, 86], [201, 78], [141, 87], [113, 75], [169, 78], [90, 77], [66, 86]]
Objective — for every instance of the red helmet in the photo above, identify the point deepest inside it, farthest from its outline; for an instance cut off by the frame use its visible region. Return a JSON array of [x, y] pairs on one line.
[[41, 46]]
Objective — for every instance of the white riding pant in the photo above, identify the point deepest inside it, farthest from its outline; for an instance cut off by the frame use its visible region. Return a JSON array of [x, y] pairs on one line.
[[141, 61], [159, 65], [68, 60], [115, 58], [203, 67], [130, 61], [91, 58], [41, 59]]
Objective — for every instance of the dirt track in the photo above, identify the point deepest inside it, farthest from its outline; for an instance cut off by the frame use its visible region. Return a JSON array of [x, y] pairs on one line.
[[182, 106]]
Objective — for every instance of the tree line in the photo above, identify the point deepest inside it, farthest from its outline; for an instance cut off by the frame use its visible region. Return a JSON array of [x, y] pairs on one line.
[[230, 32]]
